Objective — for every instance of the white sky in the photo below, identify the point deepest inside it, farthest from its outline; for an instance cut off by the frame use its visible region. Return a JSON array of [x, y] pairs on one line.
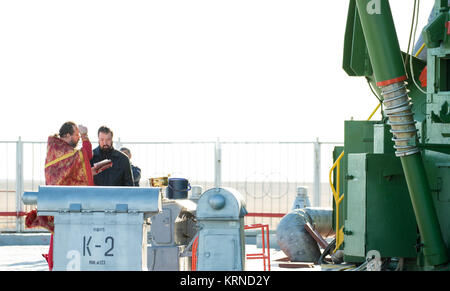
[[182, 70]]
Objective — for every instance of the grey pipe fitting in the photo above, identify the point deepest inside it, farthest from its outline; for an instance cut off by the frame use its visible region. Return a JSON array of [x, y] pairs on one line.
[[295, 241], [398, 109]]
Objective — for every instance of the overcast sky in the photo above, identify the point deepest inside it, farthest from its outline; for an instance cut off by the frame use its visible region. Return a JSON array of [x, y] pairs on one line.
[[182, 70]]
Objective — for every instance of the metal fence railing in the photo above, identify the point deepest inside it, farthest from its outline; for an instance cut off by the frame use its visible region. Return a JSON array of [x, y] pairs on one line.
[[266, 173]]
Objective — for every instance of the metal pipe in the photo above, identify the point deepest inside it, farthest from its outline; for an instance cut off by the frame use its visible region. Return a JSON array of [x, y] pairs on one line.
[[295, 241], [321, 219], [30, 198], [433, 245], [385, 56], [397, 106], [381, 40], [19, 182]]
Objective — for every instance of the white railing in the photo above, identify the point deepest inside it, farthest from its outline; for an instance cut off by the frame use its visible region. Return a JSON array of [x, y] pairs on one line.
[[266, 173]]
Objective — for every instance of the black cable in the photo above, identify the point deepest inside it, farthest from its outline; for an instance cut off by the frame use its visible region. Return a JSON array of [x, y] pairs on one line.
[[326, 252], [376, 95], [410, 35], [373, 91]]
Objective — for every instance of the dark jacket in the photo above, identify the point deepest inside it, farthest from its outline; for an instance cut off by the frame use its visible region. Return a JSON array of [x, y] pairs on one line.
[[136, 174], [119, 174]]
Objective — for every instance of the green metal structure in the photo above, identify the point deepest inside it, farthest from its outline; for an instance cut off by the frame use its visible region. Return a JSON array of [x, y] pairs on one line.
[[396, 171]]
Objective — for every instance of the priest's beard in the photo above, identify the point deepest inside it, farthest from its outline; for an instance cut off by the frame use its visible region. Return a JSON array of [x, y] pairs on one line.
[[73, 144], [106, 151]]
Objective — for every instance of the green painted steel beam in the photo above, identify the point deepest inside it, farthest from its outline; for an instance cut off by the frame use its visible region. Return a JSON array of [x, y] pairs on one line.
[[348, 40], [441, 5], [433, 245], [434, 33]]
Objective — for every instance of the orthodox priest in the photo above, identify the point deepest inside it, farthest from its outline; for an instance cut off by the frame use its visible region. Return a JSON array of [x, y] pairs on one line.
[[65, 165]]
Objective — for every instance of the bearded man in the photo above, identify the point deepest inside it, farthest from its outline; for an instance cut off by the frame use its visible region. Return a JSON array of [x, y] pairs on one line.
[[120, 174], [64, 165]]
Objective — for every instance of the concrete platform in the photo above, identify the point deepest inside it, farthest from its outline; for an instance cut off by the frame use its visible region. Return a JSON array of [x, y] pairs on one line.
[[24, 239], [29, 258], [23, 252]]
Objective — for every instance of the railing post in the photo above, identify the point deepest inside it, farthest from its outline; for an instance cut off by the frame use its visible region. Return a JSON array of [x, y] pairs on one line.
[[316, 190], [217, 164], [19, 183], [118, 144]]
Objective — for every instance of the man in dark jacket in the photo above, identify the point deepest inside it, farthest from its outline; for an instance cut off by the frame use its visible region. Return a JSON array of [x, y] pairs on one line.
[[135, 169], [120, 173]]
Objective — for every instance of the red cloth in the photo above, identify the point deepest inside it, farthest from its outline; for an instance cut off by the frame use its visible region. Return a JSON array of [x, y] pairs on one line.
[[33, 220], [64, 165]]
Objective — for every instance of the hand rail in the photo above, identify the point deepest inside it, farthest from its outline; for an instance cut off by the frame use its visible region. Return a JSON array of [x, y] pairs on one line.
[[337, 199], [336, 195]]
